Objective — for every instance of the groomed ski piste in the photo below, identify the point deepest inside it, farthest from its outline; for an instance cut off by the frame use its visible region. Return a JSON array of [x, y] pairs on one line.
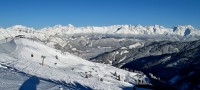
[[26, 56]]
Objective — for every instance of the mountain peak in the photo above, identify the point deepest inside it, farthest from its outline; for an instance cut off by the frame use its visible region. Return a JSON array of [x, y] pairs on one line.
[[58, 26], [186, 27], [70, 25], [18, 26], [184, 30]]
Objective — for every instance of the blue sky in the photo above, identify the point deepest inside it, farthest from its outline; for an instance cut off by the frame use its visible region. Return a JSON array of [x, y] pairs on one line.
[[43, 13]]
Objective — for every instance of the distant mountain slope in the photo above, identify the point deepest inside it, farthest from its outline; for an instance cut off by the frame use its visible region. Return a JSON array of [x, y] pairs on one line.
[[121, 56], [28, 56], [181, 69]]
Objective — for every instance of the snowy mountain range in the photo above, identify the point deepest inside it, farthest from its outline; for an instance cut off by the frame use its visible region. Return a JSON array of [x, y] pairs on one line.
[[187, 30]]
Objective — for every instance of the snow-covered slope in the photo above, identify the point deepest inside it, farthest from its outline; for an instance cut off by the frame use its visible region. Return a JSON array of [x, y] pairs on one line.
[[14, 80], [68, 68]]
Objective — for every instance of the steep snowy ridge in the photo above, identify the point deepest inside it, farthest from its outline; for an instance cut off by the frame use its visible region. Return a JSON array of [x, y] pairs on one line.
[[187, 30], [26, 55]]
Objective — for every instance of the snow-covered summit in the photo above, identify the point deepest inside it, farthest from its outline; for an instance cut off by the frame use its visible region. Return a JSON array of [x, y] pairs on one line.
[[19, 27], [185, 30], [34, 58]]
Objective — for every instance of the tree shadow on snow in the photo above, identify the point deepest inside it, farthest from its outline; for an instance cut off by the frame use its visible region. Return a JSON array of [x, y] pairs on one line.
[[30, 84]]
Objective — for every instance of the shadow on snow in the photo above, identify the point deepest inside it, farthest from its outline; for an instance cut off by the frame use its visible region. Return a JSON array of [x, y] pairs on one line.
[[30, 84]]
